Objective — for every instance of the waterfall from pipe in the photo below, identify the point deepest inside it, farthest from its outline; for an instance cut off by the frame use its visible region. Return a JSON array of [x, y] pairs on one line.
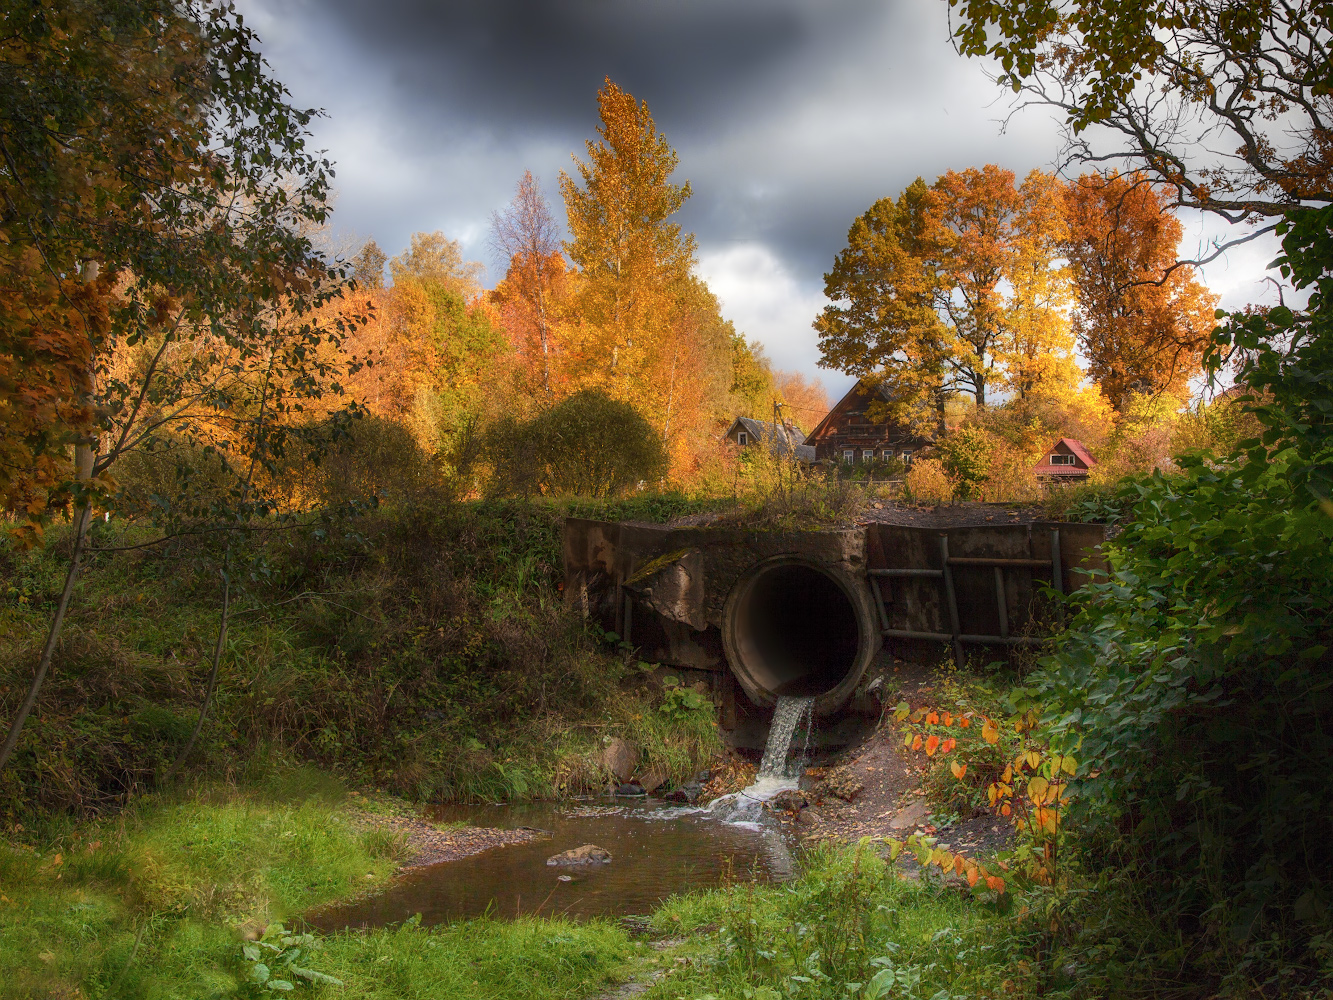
[[787, 717], [746, 805]]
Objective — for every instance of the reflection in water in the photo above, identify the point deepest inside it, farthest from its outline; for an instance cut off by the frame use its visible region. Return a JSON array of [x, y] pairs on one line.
[[657, 851]]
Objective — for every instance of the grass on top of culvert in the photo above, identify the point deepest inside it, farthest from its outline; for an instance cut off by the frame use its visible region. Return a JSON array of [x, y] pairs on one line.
[[152, 904]]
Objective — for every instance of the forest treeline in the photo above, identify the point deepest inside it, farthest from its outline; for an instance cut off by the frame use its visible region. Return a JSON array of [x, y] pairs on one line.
[[977, 289], [221, 352]]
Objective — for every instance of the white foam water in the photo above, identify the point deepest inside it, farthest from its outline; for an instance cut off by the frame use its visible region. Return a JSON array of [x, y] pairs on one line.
[[787, 715], [744, 808]]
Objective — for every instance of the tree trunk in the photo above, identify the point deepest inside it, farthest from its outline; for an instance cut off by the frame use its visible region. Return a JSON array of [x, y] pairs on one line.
[[213, 673], [83, 457]]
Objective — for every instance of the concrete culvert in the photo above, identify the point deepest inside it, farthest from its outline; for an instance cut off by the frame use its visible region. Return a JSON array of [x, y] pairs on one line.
[[795, 627]]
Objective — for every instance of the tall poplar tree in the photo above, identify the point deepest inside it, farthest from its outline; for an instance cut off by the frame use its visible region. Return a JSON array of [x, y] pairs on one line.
[[631, 258], [525, 237]]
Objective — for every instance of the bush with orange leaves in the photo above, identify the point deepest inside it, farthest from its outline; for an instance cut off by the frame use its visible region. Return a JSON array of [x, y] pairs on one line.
[[927, 482], [1022, 780]]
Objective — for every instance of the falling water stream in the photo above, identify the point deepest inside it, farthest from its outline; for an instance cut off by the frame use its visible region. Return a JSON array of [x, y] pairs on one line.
[[775, 774], [787, 716]]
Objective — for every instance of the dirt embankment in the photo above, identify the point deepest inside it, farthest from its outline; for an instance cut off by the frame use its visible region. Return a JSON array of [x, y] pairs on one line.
[[430, 843], [875, 789]]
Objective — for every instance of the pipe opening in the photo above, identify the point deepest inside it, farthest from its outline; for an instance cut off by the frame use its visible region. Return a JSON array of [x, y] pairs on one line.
[[798, 631]]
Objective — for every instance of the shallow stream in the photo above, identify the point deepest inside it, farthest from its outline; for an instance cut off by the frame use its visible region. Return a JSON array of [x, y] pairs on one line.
[[657, 850]]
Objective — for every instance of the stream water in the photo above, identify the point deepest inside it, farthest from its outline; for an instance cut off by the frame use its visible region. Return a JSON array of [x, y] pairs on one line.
[[657, 851]]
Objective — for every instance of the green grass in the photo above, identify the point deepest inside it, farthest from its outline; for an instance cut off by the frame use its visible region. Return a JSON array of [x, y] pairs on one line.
[[153, 904], [848, 918]]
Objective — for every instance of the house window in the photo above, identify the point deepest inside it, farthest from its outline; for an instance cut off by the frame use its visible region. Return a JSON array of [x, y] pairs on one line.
[[742, 439], [907, 456], [1062, 459], [849, 455]]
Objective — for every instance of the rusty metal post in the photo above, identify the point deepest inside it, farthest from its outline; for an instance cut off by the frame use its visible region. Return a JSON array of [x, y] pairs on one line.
[[951, 599], [1057, 573], [880, 602], [1001, 603]]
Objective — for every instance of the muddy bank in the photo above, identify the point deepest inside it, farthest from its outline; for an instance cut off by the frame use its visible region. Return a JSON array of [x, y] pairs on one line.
[[430, 843]]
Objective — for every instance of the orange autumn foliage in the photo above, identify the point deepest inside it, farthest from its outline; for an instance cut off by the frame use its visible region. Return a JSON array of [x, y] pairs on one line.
[[1142, 322]]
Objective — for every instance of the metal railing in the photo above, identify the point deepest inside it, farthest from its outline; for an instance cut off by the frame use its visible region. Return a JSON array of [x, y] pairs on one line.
[[944, 574]]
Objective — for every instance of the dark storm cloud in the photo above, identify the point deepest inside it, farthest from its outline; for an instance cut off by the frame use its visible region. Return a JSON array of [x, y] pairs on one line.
[[517, 64], [790, 117]]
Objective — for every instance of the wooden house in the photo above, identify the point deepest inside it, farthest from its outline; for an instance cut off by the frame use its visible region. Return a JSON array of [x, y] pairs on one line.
[[1065, 461], [847, 435], [784, 440]]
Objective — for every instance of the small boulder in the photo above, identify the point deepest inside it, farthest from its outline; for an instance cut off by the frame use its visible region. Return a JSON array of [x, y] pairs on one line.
[[685, 795], [788, 800], [630, 789], [654, 778], [809, 817], [620, 758], [588, 854], [910, 816], [843, 784]]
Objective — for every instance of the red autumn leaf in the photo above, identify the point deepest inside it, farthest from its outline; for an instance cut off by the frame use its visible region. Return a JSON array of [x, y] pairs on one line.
[[932, 745], [916, 743]]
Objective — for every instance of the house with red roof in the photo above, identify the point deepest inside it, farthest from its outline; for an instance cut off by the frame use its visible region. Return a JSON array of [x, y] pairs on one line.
[[1065, 461]]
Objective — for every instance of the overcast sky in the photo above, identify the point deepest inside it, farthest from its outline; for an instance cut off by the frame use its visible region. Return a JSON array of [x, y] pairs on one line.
[[790, 117]]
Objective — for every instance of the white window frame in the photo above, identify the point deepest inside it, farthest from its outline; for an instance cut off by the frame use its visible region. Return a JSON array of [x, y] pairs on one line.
[[849, 455], [1058, 459], [742, 438], [867, 455], [907, 456]]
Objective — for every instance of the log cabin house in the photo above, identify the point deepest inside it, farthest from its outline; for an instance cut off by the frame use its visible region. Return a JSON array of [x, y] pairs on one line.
[[848, 436]]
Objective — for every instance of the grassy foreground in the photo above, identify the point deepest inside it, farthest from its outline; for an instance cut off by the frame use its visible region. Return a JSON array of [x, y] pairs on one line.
[[161, 900], [156, 903]]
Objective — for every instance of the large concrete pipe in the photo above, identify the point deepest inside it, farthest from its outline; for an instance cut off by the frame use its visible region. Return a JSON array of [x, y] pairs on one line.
[[793, 626]]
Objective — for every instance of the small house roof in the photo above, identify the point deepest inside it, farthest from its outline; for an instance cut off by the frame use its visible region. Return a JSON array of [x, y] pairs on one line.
[[782, 439], [855, 393], [1082, 460]]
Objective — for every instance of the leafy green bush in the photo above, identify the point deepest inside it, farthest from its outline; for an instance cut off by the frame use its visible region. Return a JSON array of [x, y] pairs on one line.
[[377, 459], [1198, 681], [586, 445], [966, 456], [683, 703]]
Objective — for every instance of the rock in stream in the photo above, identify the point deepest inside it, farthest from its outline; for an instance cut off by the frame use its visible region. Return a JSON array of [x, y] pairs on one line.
[[588, 854]]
